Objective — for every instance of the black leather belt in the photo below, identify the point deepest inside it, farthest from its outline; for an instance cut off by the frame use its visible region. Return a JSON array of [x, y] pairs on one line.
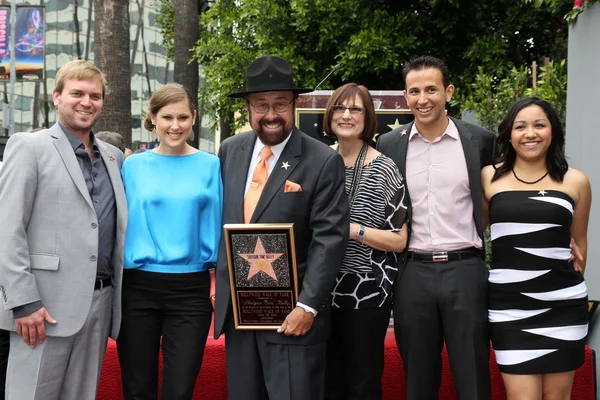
[[444, 256], [102, 283]]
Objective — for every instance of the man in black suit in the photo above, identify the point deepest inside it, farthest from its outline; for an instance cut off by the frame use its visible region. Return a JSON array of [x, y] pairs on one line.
[[442, 292], [305, 186]]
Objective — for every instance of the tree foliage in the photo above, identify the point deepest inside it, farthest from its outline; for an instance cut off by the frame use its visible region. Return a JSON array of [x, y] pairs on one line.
[[371, 39], [165, 18], [579, 6], [490, 95]]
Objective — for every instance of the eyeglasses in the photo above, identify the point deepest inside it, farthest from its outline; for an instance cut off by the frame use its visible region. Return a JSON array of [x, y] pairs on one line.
[[338, 109], [279, 107]]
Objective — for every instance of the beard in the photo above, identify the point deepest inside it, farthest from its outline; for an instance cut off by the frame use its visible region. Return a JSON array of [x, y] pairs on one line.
[[74, 124], [273, 138]]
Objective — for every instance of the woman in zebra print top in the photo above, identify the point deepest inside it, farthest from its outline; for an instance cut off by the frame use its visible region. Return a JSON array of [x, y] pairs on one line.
[[361, 296]]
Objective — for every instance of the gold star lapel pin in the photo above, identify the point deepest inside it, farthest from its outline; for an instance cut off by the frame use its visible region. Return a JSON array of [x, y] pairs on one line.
[[403, 132], [542, 192], [285, 165]]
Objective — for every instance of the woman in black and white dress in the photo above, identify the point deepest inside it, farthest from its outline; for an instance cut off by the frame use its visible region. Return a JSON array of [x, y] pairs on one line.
[[538, 298], [361, 296]]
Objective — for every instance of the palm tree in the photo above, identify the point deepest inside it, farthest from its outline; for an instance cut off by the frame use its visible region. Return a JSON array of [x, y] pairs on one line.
[[111, 55], [187, 33]]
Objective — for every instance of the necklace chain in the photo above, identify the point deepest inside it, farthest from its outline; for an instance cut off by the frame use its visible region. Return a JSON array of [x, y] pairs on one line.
[[527, 182], [358, 167]]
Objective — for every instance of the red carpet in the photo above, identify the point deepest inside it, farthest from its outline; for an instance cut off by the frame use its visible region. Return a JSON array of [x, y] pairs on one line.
[[211, 384]]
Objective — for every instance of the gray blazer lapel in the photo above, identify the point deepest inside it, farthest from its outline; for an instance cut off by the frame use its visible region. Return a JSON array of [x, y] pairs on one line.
[[276, 181], [68, 156], [471, 149], [114, 174]]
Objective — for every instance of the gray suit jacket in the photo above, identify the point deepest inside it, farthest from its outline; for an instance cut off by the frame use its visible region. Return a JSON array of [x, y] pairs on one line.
[[319, 213], [49, 235]]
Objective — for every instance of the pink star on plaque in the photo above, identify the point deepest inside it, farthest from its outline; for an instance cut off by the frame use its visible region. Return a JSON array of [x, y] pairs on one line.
[[261, 261]]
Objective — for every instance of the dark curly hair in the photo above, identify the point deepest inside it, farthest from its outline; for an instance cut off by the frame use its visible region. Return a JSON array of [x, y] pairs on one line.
[[556, 162]]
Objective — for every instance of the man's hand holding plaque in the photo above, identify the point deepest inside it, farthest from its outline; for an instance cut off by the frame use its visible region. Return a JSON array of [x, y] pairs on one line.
[[297, 323]]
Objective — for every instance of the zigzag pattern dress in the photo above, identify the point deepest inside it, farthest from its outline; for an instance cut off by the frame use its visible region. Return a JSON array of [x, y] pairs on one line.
[[538, 303]]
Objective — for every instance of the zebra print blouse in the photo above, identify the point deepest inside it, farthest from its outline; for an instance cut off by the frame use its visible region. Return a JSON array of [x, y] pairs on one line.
[[366, 276]]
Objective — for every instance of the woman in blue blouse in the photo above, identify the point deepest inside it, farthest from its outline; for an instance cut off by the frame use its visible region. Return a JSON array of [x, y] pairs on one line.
[[174, 195]]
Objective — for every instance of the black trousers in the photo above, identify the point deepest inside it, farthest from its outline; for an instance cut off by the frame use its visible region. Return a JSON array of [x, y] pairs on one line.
[[259, 368], [4, 346], [175, 307], [447, 301], [355, 353]]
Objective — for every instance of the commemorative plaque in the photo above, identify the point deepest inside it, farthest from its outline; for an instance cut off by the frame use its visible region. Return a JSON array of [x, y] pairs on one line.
[[262, 274]]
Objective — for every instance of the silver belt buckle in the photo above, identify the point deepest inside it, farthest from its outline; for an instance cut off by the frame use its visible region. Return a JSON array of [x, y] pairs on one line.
[[439, 256], [101, 284]]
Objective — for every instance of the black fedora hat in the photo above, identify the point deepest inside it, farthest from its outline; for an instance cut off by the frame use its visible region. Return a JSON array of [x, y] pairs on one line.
[[269, 74]]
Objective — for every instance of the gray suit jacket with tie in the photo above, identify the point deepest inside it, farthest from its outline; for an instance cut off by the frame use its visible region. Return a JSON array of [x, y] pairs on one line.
[[319, 213], [49, 233]]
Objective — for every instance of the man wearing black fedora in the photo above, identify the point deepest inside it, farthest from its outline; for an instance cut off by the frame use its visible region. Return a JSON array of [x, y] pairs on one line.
[[277, 174]]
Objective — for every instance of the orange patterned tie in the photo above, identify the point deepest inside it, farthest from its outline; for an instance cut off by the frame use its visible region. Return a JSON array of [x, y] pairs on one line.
[[261, 173]]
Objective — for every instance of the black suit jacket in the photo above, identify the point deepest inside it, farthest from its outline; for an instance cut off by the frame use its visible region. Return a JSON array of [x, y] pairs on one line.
[[319, 212], [479, 150]]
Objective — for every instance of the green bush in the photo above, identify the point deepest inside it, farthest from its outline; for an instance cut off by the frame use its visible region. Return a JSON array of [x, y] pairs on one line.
[[491, 94]]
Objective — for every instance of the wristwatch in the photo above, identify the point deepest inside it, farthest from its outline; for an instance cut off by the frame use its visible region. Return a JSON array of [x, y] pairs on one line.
[[361, 233]]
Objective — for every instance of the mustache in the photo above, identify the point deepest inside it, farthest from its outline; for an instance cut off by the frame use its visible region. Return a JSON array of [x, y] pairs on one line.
[[277, 120]]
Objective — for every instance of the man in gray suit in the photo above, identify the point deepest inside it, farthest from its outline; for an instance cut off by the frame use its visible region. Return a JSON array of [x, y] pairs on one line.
[[305, 186], [4, 340], [63, 213]]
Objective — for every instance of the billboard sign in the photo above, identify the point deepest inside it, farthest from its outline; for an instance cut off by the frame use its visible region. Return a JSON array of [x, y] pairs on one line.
[[29, 43]]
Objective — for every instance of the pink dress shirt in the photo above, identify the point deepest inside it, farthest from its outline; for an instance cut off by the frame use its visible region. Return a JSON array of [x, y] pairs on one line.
[[438, 184]]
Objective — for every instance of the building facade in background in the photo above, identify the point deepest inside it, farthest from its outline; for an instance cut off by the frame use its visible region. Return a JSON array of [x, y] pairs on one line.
[[69, 35]]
